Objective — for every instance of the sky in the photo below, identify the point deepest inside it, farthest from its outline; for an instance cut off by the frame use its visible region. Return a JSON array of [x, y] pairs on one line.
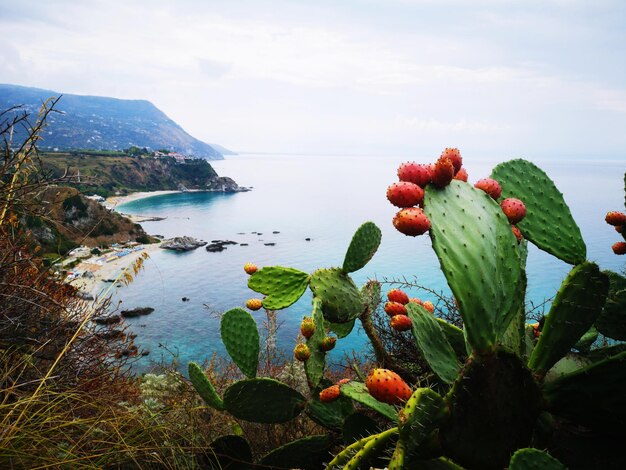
[[496, 78]]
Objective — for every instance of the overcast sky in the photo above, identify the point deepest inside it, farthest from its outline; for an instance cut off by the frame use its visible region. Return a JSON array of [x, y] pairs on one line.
[[529, 78]]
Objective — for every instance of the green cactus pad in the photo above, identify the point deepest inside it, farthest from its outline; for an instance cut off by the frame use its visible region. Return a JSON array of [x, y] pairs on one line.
[[341, 329], [204, 387], [612, 320], [230, 452], [493, 408], [455, 337], [241, 338], [282, 286], [432, 342], [599, 354], [478, 255], [594, 395], [372, 448], [364, 244], [342, 458], [331, 415], [357, 426], [575, 308], [358, 392], [548, 223], [440, 463], [513, 337], [370, 293], [263, 401], [307, 453], [586, 341], [421, 415], [566, 365], [341, 300], [314, 367], [534, 459]]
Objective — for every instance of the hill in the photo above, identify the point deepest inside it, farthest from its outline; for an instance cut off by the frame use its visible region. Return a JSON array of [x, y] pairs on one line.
[[101, 123]]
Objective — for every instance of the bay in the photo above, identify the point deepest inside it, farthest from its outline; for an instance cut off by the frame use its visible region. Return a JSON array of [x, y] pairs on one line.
[[324, 198]]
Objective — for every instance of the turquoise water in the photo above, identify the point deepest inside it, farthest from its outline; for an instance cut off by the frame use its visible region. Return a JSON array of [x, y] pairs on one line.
[[325, 199]]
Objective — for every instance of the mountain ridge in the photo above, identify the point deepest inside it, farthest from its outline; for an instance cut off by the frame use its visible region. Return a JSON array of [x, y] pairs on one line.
[[103, 123]]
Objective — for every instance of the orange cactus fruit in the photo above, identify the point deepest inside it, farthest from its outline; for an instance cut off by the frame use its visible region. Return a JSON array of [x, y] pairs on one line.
[[250, 268], [301, 352], [387, 386], [398, 295], [254, 304], [330, 394], [395, 308], [401, 323], [428, 305]]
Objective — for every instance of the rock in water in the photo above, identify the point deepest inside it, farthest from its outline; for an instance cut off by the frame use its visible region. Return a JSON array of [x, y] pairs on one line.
[[224, 184], [182, 244]]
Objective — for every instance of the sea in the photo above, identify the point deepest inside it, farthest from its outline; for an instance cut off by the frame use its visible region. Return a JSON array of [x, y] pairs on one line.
[[302, 212]]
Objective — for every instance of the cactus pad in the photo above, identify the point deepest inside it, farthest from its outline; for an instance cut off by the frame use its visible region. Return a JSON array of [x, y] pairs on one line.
[[241, 338], [230, 452], [357, 426], [548, 223], [594, 395], [307, 453], [432, 342], [314, 367], [612, 321], [204, 387], [534, 459], [358, 392], [282, 286], [479, 258], [372, 448], [364, 244], [263, 401], [330, 414], [341, 300], [455, 337], [577, 304], [341, 329]]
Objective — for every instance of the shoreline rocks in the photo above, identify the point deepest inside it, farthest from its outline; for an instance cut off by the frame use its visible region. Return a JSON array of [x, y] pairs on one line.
[[136, 312], [224, 184], [182, 244]]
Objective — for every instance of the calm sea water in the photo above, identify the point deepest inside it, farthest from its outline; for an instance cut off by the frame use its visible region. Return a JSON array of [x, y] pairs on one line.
[[324, 199]]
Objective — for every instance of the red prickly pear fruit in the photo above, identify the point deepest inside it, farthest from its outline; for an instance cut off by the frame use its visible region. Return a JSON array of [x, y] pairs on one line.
[[414, 173], [514, 209], [619, 248], [328, 343], [455, 157], [490, 186], [517, 233], [387, 386], [411, 221], [254, 304], [250, 268], [307, 327], [428, 305], [301, 352], [461, 175], [415, 300], [443, 172], [401, 323], [619, 228], [615, 218], [405, 194], [398, 295], [330, 394], [343, 381], [395, 308]]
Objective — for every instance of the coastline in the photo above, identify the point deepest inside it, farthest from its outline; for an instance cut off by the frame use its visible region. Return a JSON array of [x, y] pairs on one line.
[[93, 284], [113, 202]]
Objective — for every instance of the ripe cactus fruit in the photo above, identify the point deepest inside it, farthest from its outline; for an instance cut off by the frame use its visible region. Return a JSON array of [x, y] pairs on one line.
[[415, 173], [615, 218], [428, 305], [411, 221], [455, 157], [330, 394], [443, 172], [405, 194], [415, 300], [514, 209], [490, 186], [517, 233], [328, 343], [254, 304], [398, 295], [400, 323], [250, 268], [461, 175], [395, 308], [387, 386], [343, 381], [307, 327], [619, 248], [301, 352]]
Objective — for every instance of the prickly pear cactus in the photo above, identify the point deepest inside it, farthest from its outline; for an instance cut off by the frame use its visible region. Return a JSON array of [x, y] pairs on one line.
[[282, 286], [241, 338]]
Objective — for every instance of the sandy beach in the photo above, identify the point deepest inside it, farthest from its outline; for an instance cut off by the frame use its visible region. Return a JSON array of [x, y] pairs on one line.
[[107, 270], [114, 201]]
